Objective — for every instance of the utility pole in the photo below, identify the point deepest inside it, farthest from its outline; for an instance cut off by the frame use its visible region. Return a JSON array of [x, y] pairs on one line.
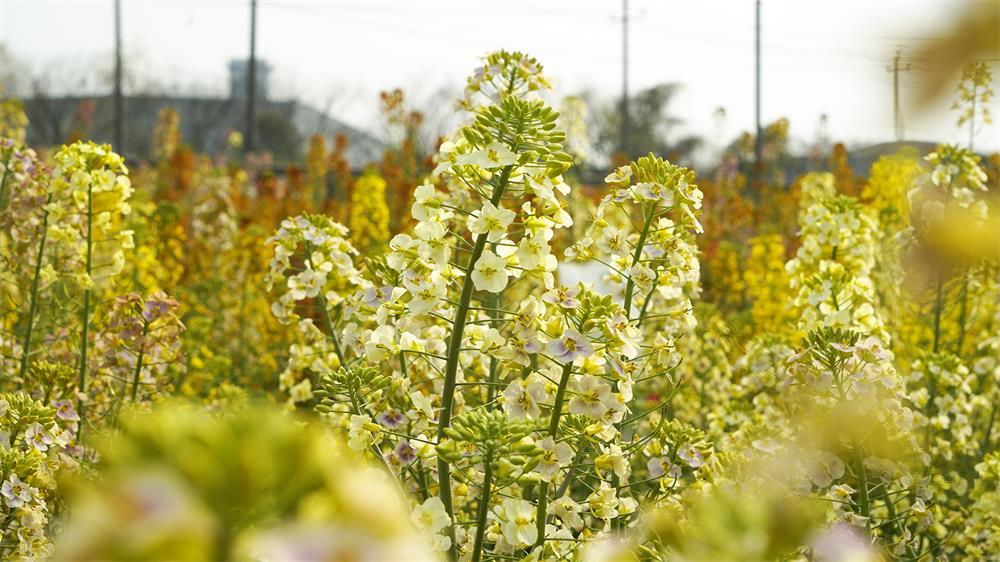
[[625, 116], [897, 111], [252, 80], [119, 102], [758, 137]]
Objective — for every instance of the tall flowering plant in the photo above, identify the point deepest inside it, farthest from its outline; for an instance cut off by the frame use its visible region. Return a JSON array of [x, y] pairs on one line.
[[139, 343], [89, 194], [951, 379], [13, 120], [36, 441], [831, 274], [24, 193], [368, 218], [311, 271], [490, 228], [481, 382]]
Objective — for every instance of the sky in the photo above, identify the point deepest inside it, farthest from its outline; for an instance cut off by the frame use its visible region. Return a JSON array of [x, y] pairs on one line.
[[818, 57]]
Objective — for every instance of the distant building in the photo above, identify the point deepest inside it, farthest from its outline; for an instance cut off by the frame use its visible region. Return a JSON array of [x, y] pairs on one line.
[[283, 126], [238, 70]]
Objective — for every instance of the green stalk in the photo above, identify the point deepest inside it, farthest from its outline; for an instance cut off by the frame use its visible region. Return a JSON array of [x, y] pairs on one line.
[[3, 185], [629, 290], [630, 286], [645, 303], [33, 305], [984, 447], [892, 522], [85, 333], [581, 446], [138, 361], [329, 328], [931, 396], [451, 365], [963, 315], [864, 503], [491, 388], [241, 338], [938, 309], [543, 487], [484, 508], [325, 312]]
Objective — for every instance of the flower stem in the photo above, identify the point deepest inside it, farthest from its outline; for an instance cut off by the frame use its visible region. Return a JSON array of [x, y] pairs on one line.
[[3, 183], [893, 522], [630, 286], [491, 388], [451, 365], [645, 303], [241, 338], [484, 508], [325, 312], [963, 315], [984, 447], [938, 309], [85, 315], [402, 364], [629, 291], [33, 305], [330, 331], [581, 446], [138, 361], [863, 501], [543, 487]]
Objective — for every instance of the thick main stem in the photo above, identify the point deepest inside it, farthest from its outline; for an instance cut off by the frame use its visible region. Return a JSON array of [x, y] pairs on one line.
[[963, 315], [893, 521], [325, 313], [330, 330], [451, 366], [85, 332], [491, 386], [543, 487], [864, 502], [985, 445], [630, 285], [3, 185], [484, 508], [138, 361], [33, 304], [629, 291], [938, 309], [241, 338]]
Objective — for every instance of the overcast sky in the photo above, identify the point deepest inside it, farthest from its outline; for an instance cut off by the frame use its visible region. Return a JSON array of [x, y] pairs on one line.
[[818, 57]]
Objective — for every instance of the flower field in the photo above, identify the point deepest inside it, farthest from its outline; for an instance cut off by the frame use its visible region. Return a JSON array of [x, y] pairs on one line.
[[204, 359]]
